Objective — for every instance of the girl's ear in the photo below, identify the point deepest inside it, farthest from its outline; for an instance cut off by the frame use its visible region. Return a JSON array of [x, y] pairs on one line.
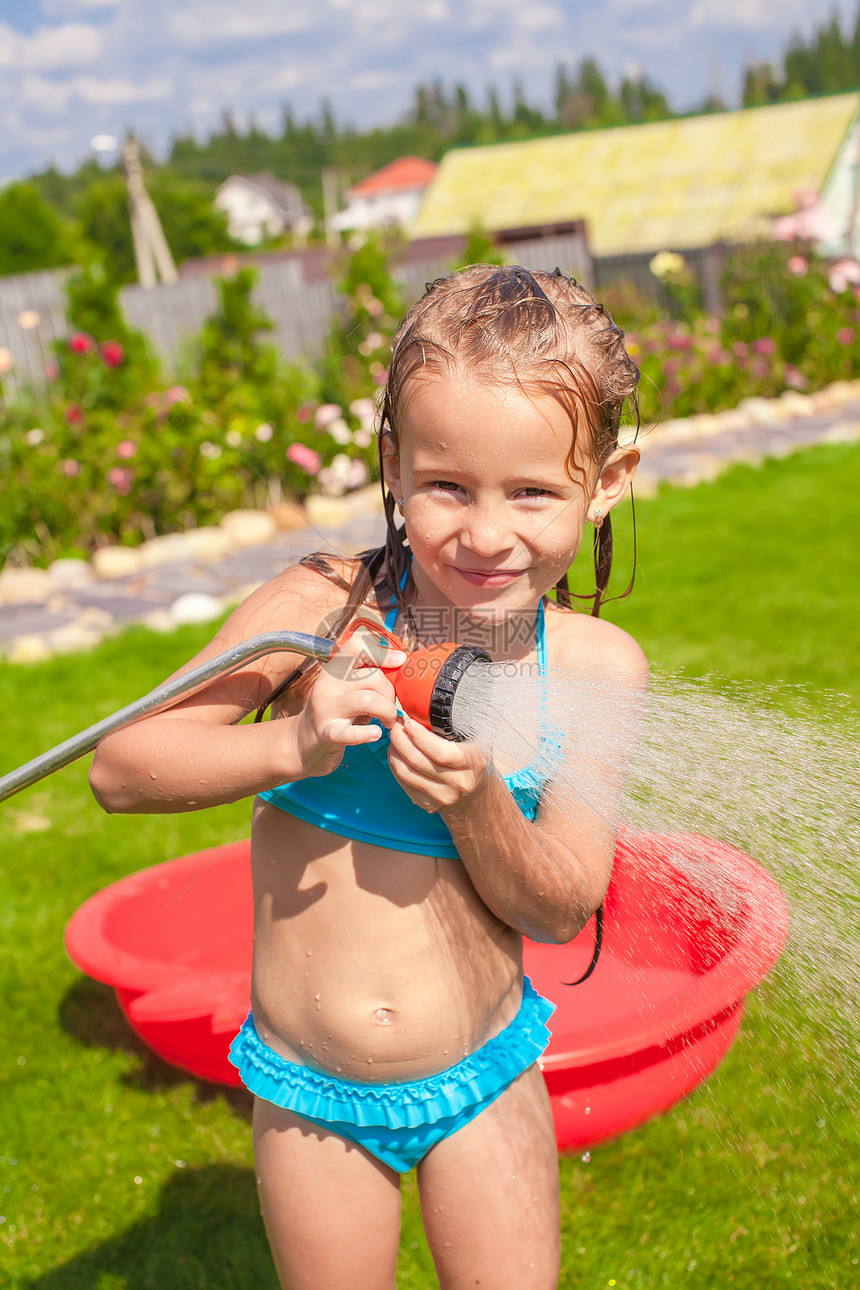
[[390, 465], [614, 479]]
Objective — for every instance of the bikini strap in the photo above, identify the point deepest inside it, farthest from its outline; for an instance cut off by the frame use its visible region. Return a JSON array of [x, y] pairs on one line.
[[391, 616], [540, 633]]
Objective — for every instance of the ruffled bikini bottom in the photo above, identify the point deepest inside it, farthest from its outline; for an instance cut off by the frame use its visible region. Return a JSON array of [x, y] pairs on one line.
[[398, 1123]]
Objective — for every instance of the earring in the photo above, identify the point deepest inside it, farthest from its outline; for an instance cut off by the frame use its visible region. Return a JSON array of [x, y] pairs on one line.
[[400, 505], [598, 517]]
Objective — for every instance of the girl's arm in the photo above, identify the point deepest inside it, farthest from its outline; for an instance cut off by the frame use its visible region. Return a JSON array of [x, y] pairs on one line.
[[544, 878], [196, 754]]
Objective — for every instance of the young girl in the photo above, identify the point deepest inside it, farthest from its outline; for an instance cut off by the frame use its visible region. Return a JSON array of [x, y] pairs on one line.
[[396, 872]]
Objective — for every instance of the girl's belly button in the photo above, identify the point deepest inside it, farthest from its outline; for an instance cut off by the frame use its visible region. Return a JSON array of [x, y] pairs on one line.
[[383, 1016]]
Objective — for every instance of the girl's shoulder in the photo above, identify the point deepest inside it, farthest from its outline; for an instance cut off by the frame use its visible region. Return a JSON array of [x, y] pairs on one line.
[[575, 639], [303, 597]]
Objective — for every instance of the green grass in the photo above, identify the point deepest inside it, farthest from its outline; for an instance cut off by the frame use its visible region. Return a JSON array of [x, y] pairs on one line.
[[119, 1173]]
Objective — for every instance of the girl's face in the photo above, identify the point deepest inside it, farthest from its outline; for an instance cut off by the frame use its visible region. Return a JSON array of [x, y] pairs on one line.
[[492, 515]]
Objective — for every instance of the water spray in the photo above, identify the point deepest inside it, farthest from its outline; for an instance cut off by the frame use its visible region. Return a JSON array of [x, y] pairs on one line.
[[425, 686]]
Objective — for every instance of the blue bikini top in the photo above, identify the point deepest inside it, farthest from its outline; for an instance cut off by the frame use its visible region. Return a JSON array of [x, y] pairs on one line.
[[361, 799]]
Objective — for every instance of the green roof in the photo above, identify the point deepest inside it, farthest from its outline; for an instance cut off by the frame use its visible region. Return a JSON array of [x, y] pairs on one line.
[[640, 188]]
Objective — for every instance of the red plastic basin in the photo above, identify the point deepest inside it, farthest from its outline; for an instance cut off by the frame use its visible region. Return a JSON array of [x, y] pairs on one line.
[[661, 1009]]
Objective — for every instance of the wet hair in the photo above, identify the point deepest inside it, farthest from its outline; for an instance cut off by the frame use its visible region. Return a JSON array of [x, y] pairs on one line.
[[540, 332]]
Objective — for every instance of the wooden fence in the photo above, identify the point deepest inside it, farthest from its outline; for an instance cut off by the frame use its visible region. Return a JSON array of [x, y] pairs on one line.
[[295, 291], [32, 318]]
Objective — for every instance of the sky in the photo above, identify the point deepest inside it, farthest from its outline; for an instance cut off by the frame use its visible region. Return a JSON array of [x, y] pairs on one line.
[[73, 69]]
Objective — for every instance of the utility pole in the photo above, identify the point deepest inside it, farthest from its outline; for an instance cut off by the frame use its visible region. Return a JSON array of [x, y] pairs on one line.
[[330, 200], [151, 252]]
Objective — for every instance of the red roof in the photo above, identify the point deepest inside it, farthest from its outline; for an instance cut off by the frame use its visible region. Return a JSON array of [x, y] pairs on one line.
[[405, 172]]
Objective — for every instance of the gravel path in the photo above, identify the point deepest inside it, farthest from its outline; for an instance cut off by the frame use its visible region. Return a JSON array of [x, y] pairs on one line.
[[74, 604]]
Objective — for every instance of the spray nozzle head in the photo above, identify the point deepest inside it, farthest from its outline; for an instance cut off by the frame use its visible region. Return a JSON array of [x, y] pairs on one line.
[[427, 683]]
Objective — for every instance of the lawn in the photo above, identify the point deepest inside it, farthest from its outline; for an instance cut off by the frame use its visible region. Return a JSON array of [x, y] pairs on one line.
[[119, 1173]]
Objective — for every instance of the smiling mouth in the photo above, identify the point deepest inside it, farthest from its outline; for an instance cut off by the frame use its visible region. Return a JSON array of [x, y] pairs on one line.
[[490, 577]]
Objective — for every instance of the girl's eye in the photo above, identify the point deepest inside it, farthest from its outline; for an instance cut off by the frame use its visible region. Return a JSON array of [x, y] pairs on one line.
[[445, 485], [535, 492]]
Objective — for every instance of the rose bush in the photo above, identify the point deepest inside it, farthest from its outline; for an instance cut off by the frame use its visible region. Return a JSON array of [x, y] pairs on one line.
[[790, 322]]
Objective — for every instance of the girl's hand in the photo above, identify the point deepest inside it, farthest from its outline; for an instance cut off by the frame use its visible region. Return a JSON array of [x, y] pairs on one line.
[[438, 774], [348, 693]]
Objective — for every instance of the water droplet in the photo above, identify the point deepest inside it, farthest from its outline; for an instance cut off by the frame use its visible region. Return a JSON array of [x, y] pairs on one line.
[[587, 1158]]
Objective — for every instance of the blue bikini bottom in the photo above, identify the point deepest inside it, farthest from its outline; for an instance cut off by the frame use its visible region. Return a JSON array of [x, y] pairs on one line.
[[398, 1123]]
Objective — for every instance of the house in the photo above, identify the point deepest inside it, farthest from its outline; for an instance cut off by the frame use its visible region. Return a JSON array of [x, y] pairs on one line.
[[259, 207], [389, 196], [691, 182]]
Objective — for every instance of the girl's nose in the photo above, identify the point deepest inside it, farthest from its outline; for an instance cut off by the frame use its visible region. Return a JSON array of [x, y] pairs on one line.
[[487, 532]]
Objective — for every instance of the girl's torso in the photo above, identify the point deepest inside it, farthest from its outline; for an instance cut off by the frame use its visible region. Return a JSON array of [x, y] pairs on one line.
[[373, 962]]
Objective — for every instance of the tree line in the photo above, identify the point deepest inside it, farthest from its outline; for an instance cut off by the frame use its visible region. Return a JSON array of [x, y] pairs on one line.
[[825, 64]]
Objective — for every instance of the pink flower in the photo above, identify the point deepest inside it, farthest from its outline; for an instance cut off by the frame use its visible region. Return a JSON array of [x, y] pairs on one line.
[[122, 478], [798, 265], [71, 467], [845, 335], [671, 367], [304, 457], [680, 340], [764, 345], [380, 374], [305, 411], [740, 349], [794, 378], [52, 371], [80, 342], [326, 413], [126, 449], [842, 274], [804, 198], [175, 394], [112, 353], [73, 414]]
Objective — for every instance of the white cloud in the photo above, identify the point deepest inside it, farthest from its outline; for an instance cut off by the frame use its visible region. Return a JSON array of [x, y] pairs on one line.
[[50, 48], [14, 123], [741, 13], [374, 80], [92, 89], [53, 97], [225, 23], [58, 8], [49, 98], [540, 17]]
